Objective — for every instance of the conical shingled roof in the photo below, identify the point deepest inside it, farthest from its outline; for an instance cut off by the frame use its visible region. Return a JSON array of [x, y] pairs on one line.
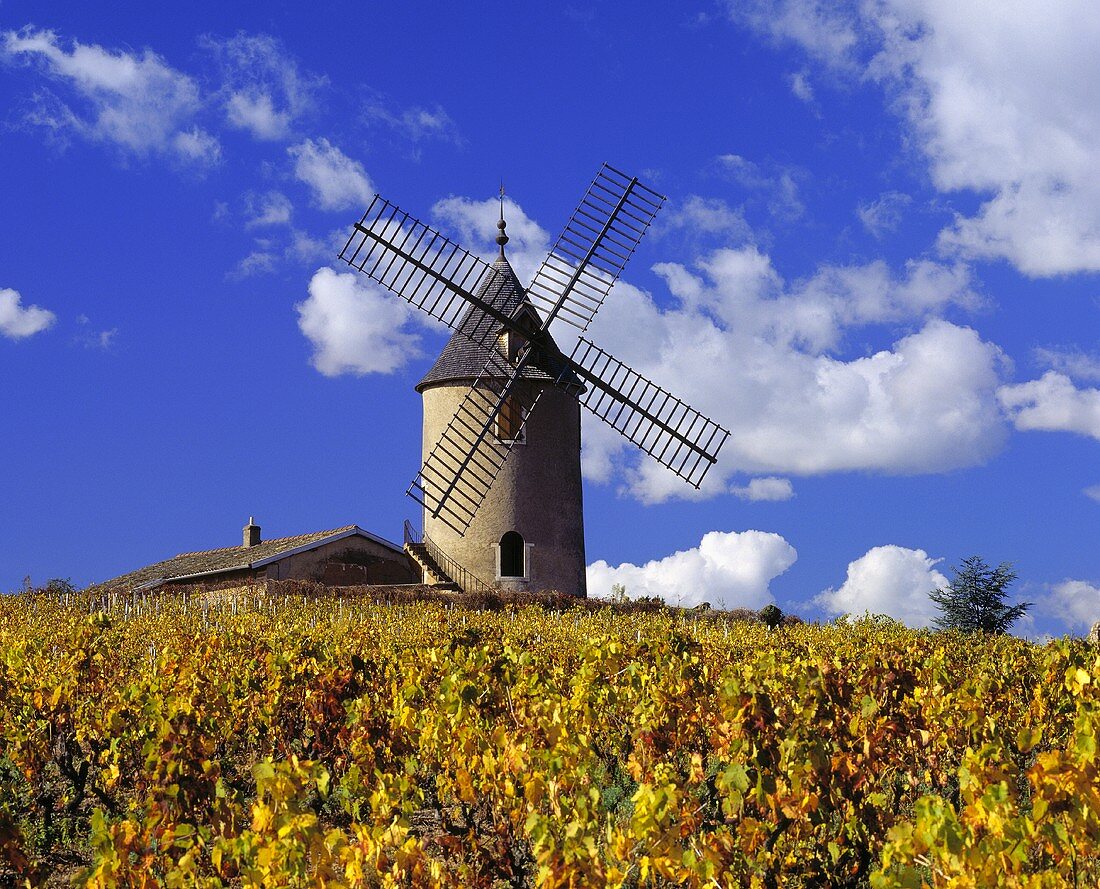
[[463, 358]]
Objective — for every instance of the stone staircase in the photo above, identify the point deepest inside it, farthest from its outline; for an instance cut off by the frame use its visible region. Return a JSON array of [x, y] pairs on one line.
[[439, 569], [433, 573]]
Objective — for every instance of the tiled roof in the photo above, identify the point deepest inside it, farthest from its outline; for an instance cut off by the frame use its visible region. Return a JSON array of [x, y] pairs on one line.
[[229, 558], [463, 357]]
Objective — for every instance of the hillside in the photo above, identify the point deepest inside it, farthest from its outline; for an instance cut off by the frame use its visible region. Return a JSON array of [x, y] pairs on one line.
[[285, 740]]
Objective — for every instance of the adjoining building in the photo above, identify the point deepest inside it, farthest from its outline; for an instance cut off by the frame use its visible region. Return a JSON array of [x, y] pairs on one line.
[[344, 556]]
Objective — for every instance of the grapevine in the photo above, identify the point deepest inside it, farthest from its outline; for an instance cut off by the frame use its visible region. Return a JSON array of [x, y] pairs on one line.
[[260, 739]]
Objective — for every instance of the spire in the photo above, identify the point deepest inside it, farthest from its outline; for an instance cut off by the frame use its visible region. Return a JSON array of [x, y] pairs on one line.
[[502, 238]]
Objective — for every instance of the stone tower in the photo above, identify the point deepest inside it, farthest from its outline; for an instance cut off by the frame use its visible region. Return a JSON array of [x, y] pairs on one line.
[[529, 532]]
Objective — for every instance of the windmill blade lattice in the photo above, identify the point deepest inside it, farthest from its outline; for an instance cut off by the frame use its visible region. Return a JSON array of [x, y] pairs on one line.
[[572, 283], [417, 263], [595, 246], [673, 433]]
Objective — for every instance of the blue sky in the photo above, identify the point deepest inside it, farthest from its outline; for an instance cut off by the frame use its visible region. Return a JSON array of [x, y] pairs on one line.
[[877, 267]]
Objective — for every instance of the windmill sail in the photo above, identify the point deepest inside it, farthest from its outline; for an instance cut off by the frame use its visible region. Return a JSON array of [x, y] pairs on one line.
[[417, 263], [595, 246], [673, 433]]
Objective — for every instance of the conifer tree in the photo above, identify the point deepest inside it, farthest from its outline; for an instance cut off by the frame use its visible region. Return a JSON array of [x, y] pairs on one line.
[[974, 600]]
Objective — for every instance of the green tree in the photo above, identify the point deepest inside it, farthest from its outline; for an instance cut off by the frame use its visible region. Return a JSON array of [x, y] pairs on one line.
[[770, 616], [974, 600]]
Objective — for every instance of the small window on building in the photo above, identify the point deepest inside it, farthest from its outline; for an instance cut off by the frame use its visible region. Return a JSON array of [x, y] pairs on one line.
[[510, 421], [511, 344], [512, 552]]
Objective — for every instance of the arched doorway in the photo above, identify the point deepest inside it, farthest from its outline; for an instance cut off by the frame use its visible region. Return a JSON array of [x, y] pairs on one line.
[[512, 555]]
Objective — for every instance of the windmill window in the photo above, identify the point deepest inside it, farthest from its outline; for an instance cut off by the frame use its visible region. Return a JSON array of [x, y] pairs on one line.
[[512, 555], [510, 421], [511, 344]]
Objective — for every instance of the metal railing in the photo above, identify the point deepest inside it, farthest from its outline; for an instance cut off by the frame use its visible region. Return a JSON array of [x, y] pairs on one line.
[[466, 580]]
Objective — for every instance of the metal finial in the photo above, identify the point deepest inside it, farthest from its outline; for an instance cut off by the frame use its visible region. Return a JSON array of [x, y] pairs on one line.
[[502, 238]]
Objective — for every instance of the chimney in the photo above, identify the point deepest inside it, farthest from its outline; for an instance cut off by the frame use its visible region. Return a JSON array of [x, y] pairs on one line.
[[251, 533]]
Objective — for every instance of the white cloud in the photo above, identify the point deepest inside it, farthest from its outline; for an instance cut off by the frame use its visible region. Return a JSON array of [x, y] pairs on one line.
[[757, 355], [739, 287], [270, 209], [1074, 602], [305, 248], [1052, 403], [258, 262], [337, 181], [137, 102], [95, 339], [1071, 362], [777, 184], [415, 124], [103, 339], [256, 113], [765, 488], [801, 87], [1092, 492], [18, 322], [272, 213], [196, 145], [264, 92], [1000, 98], [475, 226], [355, 327], [883, 215], [729, 569], [711, 216], [827, 30], [891, 580]]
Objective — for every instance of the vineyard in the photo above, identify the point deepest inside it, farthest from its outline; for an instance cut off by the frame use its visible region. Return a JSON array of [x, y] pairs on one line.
[[280, 740]]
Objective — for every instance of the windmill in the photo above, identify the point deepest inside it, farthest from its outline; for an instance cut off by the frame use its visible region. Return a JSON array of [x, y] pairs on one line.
[[512, 342]]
